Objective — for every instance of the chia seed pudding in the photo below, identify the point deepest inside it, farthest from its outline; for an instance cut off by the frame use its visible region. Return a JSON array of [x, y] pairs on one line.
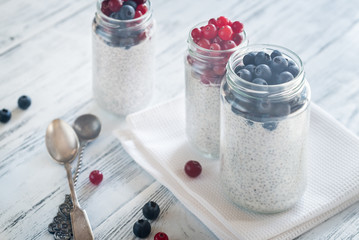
[[123, 60], [264, 130], [205, 69]]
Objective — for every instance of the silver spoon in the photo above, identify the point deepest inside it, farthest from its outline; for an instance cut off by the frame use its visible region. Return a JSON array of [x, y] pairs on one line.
[[87, 128], [63, 144]]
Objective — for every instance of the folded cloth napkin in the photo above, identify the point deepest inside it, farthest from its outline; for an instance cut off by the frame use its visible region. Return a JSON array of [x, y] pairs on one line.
[[156, 140]]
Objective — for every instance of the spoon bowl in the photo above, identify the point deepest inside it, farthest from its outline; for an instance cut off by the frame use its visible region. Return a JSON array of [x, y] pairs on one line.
[[62, 142]]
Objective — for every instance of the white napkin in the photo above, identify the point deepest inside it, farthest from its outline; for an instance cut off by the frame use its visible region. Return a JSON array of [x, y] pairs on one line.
[[156, 140]]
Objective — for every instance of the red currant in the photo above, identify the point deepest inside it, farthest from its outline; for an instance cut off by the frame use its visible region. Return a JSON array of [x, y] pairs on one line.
[[228, 45], [96, 177], [212, 21], [218, 40], [115, 5], [105, 9], [196, 33], [225, 33], [237, 38], [138, 14], [215, 46], [222, 21], [142, 8], [237, 27], [204, 43], [140, 1], [160, 236], [193, 168], [210, 31]]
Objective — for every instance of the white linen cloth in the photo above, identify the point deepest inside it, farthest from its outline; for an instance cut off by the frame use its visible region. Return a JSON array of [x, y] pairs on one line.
[[155, 138]]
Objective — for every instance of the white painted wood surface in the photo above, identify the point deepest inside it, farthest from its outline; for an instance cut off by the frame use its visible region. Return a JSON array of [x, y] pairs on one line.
[[45, 52]]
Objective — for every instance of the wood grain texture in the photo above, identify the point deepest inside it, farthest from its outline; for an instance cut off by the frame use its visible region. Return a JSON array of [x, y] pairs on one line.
[[46, 54]]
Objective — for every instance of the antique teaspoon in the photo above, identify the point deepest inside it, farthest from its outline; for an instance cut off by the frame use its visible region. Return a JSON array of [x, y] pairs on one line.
[[63, 144]]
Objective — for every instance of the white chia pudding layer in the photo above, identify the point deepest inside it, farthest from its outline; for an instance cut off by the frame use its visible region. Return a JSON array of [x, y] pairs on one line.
[[123, 78], [202, 114], [264, 170]]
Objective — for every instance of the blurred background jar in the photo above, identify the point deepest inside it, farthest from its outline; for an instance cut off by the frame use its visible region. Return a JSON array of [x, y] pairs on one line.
[[205, 67], [123, 55], [264, 128]]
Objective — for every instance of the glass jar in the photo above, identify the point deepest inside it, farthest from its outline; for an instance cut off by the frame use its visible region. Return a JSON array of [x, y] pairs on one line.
[[123, 61], [204, 71], [264, 132]]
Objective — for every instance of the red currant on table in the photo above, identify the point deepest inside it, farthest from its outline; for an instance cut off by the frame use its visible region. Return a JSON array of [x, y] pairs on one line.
[[193, 168], [96, 177], [225, 33], [160, 236]]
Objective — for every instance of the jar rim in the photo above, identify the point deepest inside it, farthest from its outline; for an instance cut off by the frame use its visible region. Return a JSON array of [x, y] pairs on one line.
[[118, 22], [204, 23], [273, 91]]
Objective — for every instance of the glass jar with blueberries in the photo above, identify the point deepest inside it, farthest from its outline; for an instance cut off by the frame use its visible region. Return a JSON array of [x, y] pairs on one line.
[[265, 101], [123, 55], [205, 67]]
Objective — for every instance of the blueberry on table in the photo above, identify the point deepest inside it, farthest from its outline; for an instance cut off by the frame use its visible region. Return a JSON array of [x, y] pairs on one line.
[[142, 228], [24, 102], [263, 71], [244, 74], [127, 12], [5, 115], [275, 53], [261, 58], [151, 210], [249, 58]]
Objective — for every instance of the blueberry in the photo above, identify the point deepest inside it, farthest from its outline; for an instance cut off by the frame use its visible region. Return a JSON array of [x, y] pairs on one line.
[[293, 69], [239, 67], [245, 74], [275, 53], [249, 58], [281, 109], [151, 210], [142, 228], [116, 15], [5, 115], [127, 12], [260, 81], [270, 125], [261, 58], [263, 71], [131, 3], [284, 77], [279, 64], [291, 62], [24, 102], [264, 106], [250, 67]]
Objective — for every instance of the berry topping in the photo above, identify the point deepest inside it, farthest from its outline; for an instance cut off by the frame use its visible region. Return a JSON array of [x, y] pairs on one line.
[[127, 12], [204, 43], [115, 5], [96, 177], [245, 74], [105, 9], [24, 102], [237, 38], [5, 115], [142, 228], [279, 64], [215, 46], [225, 32], [228, 44], [212, 21], [249, 58], [261, 58], [193, 168], [151, 210], [142, 8], [263, 71], [160, 236], [131, 3], [275, 53], [138, 14], [210, 31], [284, 77], [196, 33], [222, 21]]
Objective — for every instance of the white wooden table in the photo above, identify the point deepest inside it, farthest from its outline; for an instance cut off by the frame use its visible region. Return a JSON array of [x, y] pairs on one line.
[[45, 52]]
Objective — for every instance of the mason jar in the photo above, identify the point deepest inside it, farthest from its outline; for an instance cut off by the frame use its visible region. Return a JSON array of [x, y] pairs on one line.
[[264, 133], [123, 61], [204, 72]]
